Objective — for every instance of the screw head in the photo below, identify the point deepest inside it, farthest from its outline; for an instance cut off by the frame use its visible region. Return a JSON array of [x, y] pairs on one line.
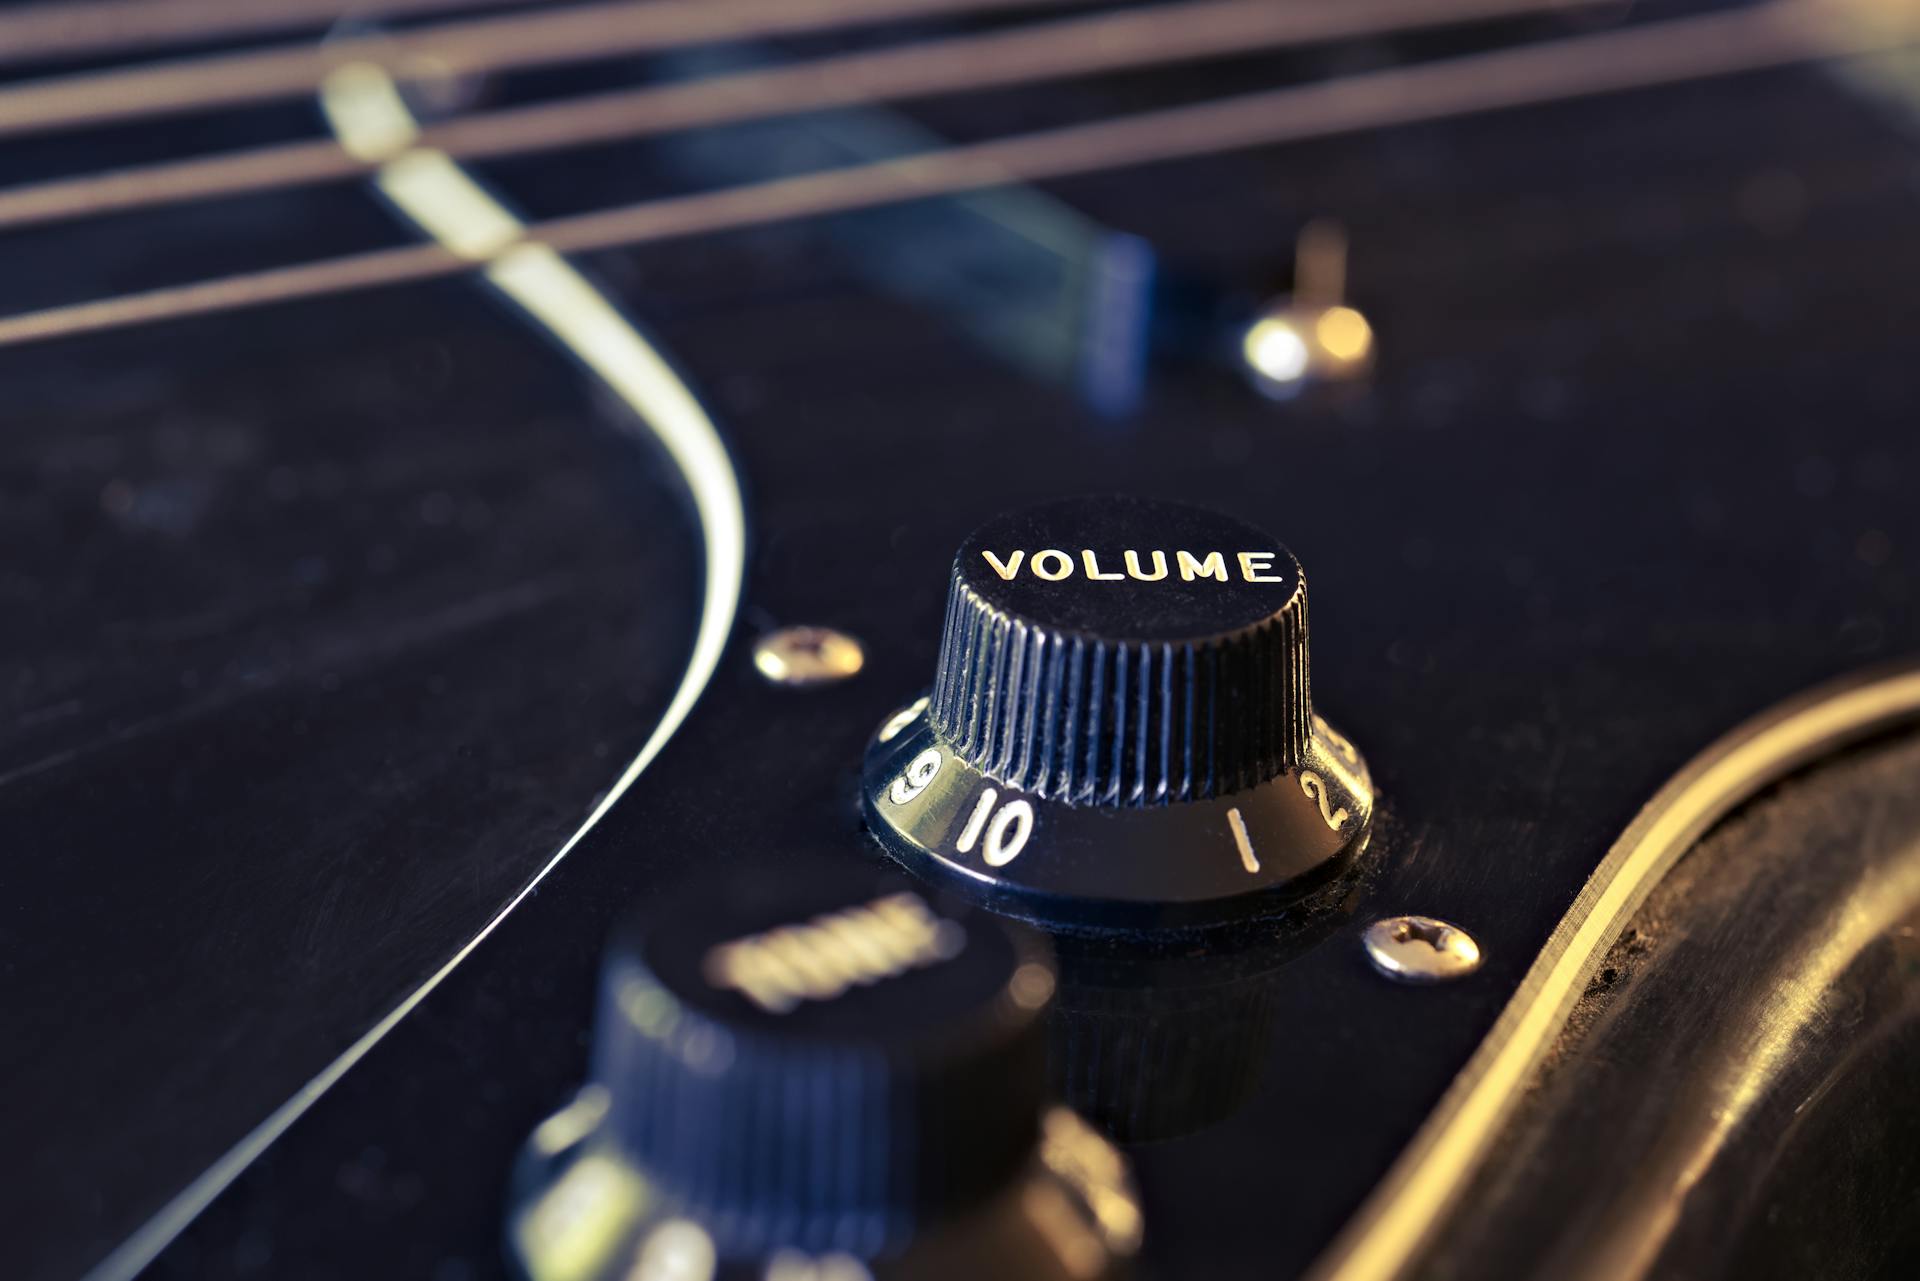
[[800, 656], [1421, 949]]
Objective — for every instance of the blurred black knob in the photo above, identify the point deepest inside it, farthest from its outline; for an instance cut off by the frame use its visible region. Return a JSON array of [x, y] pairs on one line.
[[819, 1073], [820, 1065], [1120, 730]]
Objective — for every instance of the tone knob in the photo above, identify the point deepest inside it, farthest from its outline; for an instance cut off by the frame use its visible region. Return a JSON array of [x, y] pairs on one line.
[[1121, 729], [821, 1066]]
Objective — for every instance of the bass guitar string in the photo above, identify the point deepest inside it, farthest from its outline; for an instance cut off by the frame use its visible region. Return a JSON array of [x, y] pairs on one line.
[[1135, 38], [582, 33], [64, 30], [1672, 52]]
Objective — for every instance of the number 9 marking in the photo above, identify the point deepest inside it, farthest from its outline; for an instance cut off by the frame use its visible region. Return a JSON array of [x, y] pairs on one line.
[[919, 772]]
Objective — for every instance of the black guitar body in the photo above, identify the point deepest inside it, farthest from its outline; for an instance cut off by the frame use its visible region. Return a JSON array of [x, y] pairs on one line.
[[332, 620]]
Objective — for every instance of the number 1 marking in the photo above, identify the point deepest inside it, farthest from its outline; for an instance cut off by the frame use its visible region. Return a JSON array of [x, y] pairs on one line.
[[1239, 826]]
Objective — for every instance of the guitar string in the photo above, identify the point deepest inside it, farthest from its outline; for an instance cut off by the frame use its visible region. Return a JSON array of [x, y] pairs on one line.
[[65, 30], [582, 33], [1778, 33], [1136, 38]]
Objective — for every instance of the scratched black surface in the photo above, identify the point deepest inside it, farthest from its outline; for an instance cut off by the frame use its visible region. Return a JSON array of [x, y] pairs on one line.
[[1638, 461]]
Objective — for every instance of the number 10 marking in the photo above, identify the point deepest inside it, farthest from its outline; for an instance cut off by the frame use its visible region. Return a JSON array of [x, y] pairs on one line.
[[1004, 842]]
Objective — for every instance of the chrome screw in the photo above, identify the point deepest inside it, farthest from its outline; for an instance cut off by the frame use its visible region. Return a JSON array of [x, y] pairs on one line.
[[801, 656], [1421, 949]]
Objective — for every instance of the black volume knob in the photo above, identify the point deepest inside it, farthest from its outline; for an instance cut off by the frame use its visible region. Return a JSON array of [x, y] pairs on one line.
[[823, 1064], [1121, 730], [1168, 663]]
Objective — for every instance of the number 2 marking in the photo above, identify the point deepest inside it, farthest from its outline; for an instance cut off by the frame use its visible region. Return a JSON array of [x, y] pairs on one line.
[[1003, 843], [1316, 787]]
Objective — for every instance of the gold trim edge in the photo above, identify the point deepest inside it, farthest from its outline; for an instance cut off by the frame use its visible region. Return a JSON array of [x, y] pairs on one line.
[[1383, 1239]]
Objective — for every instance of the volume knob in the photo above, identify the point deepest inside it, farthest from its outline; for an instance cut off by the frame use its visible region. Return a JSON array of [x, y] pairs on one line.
[[1121, 730], [1166, 663]]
